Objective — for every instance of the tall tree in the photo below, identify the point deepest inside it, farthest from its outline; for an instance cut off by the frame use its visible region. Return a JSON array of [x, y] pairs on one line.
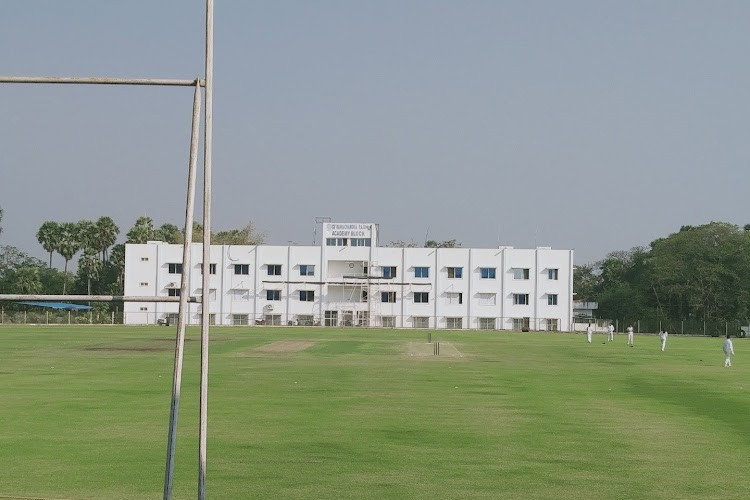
[[90, 266], [27, 280], [86, 235], [1, 220], [246, 235], [68, 245], [106, 235], [142, 231], [49, 237], [169, 233]]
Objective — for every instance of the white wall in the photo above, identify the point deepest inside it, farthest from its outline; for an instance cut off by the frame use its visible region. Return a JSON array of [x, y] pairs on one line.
[[336, 284]]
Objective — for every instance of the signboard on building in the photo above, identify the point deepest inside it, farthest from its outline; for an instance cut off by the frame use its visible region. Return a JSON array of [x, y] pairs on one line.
[[348, 230]]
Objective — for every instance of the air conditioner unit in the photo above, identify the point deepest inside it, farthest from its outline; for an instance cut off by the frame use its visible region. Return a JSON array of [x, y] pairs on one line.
[[268, 307]]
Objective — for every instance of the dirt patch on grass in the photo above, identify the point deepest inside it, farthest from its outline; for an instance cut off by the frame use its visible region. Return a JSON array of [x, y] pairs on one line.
[[425, 349], [285, 346]]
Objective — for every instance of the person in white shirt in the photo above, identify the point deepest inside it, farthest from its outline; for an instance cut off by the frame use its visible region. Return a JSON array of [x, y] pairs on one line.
[[611, 336], [663, 337], [630, 335], [589, 332], [728, 348]]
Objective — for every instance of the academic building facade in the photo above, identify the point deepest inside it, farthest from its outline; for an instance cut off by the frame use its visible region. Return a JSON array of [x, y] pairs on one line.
[[351, 281]]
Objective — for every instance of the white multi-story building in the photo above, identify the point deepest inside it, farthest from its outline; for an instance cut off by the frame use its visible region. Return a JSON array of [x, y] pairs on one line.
[[351, 281]]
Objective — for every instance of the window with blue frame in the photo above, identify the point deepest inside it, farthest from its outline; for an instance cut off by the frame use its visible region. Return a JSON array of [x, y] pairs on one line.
[[421, 272], [306, 270], [307, 295], [487, 273], [273, 294], [455, 272], [389, 272]]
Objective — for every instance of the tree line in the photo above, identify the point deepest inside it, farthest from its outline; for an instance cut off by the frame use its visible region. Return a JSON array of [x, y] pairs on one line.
[[698, 274], [101, 260]]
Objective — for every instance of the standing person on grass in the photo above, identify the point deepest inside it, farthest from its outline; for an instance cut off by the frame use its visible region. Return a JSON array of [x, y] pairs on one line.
[[630, 335], [611, 329], [728, 348], [663, 338], [589, 332]]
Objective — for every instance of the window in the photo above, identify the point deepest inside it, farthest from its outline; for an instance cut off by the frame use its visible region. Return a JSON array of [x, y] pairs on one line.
[[487, 273], [420, 321], [212, 294], [552, 325], [174, 268], [238, 319], [551, 299], [389, 272], [331, 318], [486, 323], [455, 272], [421, 297], [172, 318], [521, 299], [520, 273], [454, 323], [242, 269], [360, 242], [306, 270], [144, 259], [144, 283], [305, 320], [336, 242], [521, 324], [455, 297], [273, 294], [240, 294], [143, 309], [388, 297], [307, 295], [211, 319], [388, 321], [487, 299], [552, 274], [173, 292], [273, 319], [274, 269], [421, 272], [211, 268], [364, 295]]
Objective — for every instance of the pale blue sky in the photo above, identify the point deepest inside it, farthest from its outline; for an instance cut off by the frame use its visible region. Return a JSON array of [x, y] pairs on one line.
[[593, 125]]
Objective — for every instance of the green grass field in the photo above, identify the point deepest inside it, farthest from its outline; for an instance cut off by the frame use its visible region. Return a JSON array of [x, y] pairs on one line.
[[350, 413]]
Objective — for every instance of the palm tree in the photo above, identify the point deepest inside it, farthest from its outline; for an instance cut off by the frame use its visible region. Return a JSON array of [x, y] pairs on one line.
[[86, 234], [90, 265], [28, 280], [106, 235], [49, 237], [142, 231], [68, 246]]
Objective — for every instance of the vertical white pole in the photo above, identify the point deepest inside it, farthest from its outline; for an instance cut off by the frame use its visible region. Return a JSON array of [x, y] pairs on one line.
[[205, 298], [184, 292]]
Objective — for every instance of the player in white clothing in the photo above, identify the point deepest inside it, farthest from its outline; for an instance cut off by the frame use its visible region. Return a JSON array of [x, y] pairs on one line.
[[630, 335], [589, 332], [663, 337], [728, 351], [611, 335]]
